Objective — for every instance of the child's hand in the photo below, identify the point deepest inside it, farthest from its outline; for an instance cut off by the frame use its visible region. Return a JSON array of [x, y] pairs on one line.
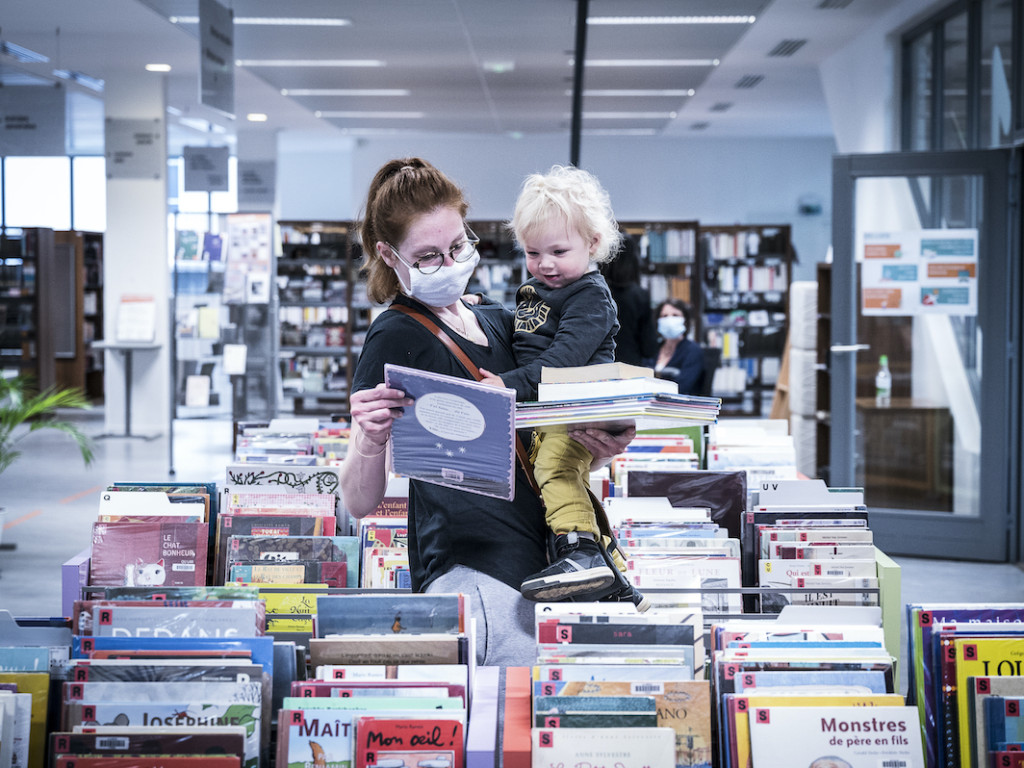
[[490, 379], [471, 298]]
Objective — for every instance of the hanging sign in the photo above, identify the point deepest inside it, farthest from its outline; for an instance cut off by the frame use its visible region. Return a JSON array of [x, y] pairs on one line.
[[256, 185], [216, 57], [921, 272], [134, 149], [32, 120], [206, 169]]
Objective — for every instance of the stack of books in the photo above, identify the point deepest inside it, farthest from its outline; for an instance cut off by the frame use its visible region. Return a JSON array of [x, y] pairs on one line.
[[152, 535], [384, 552], [24, 703], [789, 693], [171, 667], [612, 396], [763, 448], [391, 685], [815, 549], [967, 680], [608, 677], [678, 556]]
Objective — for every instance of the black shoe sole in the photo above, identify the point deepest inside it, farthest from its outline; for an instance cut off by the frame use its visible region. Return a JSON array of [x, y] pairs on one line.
[[555, 588]]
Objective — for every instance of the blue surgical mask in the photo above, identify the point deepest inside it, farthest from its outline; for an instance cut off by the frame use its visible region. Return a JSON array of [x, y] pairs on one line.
[[672, 327]]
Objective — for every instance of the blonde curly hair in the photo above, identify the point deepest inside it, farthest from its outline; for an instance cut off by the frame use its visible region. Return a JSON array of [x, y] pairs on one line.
[[571, 194]]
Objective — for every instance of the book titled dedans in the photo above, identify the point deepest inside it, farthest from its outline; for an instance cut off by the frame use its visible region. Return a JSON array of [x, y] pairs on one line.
[[458, 433]]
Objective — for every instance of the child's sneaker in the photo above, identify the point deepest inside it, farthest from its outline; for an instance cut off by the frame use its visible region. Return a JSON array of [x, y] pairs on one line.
[[580, 571], [626, 592]]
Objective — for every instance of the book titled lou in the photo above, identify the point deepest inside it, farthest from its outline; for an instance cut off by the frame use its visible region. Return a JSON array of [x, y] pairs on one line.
[[458, 433], [853, 737]]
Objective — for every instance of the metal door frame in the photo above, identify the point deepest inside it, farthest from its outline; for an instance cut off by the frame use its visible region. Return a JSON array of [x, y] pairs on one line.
[[995, 533]]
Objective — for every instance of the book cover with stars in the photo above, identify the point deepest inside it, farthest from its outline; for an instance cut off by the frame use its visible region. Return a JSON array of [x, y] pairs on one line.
[[458, 433]]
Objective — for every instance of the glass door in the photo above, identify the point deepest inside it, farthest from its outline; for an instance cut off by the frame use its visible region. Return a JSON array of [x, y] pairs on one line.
[[926, 285]]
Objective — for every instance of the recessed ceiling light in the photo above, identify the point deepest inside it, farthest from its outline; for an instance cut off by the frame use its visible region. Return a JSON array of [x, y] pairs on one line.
[[629, 20], [373, 115], [650, 62], [637, 92], [344, 92], [309, 63], [272, 21], [256, 117], [158, 67], [499, 67]]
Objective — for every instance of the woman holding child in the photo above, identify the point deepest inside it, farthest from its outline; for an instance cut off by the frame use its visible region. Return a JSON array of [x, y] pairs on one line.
[[420, 254]]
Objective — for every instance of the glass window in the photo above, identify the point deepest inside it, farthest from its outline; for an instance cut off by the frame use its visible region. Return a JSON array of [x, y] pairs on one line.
[[955, 121], [37, 192], [921, 92], [90, 194], [995, 120]]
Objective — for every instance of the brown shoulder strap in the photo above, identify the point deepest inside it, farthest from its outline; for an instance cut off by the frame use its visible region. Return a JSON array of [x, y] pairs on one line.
[[472, 370]]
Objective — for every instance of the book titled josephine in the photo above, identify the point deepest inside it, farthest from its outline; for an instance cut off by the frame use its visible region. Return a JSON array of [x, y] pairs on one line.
[[458, 433]]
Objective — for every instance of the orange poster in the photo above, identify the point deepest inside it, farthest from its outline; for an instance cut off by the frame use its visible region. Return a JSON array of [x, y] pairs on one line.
[[882, 251], [951, 269], [882, 298]]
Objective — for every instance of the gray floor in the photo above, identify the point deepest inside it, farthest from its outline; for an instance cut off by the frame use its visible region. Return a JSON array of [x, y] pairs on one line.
[[50, 500]]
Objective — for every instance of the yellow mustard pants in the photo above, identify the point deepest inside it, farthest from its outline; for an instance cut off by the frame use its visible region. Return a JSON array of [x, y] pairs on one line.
[[562, 468]]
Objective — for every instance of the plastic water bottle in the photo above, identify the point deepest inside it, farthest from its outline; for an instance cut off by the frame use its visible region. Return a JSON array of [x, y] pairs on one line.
[[883, 383]]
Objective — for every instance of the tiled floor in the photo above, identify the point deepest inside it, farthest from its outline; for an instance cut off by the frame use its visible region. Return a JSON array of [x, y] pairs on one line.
[[50, 500]]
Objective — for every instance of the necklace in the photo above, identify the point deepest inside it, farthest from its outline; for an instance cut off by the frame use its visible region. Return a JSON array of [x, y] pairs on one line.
[[461, 327]]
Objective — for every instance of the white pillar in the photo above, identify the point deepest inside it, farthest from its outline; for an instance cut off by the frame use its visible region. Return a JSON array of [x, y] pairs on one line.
[[135, 262]]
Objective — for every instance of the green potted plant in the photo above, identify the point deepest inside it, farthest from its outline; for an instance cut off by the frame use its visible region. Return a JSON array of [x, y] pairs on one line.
[[22, 404]]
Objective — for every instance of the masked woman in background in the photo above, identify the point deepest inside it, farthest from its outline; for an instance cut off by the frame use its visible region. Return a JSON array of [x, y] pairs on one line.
[[679, 358]]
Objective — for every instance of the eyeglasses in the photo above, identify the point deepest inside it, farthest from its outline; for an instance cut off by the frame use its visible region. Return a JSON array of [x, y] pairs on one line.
[[429, 263]]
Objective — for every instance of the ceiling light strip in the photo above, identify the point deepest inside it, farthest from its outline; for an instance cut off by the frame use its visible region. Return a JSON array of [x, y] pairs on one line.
[[334, 113], [272, 21], [650, 62], [648, 20], [344, 92], [638, 92], [309, 63]]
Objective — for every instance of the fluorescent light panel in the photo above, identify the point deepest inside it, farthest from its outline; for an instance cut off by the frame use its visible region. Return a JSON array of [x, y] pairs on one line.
[[21, 53], [272, 21], [256, 117], [158, 67], [344, 92], [309, 63], [335, 113], [638, 20], [637, 92], [620, 131], [649, 62], [628, 115], [88, 81]]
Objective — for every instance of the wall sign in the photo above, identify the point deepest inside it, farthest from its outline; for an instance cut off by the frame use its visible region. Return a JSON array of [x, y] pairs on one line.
[[256, 185], [32, 120], [921, 272], [206, 169], [135, 149]]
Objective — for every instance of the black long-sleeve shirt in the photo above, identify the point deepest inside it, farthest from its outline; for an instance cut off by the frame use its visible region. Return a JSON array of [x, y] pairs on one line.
[[559, 328]]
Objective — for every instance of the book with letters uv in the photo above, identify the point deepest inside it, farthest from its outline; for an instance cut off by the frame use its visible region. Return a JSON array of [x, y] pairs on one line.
[[458, 433]]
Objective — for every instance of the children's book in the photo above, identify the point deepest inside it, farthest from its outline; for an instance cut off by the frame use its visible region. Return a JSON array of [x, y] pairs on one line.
[[458, 434], [423, 742], [149, 554], [620, 747], [371, 614], [825, 737], [319, 737]]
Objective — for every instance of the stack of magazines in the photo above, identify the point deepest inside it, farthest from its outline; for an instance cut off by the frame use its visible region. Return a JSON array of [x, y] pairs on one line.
[[651, 410]]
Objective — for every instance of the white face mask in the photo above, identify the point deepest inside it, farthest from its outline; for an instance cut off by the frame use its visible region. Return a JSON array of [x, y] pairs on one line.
[[672, 327], [442, 288]]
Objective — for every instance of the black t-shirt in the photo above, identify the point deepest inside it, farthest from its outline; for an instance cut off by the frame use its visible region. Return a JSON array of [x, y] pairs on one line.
[[506, 540]]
